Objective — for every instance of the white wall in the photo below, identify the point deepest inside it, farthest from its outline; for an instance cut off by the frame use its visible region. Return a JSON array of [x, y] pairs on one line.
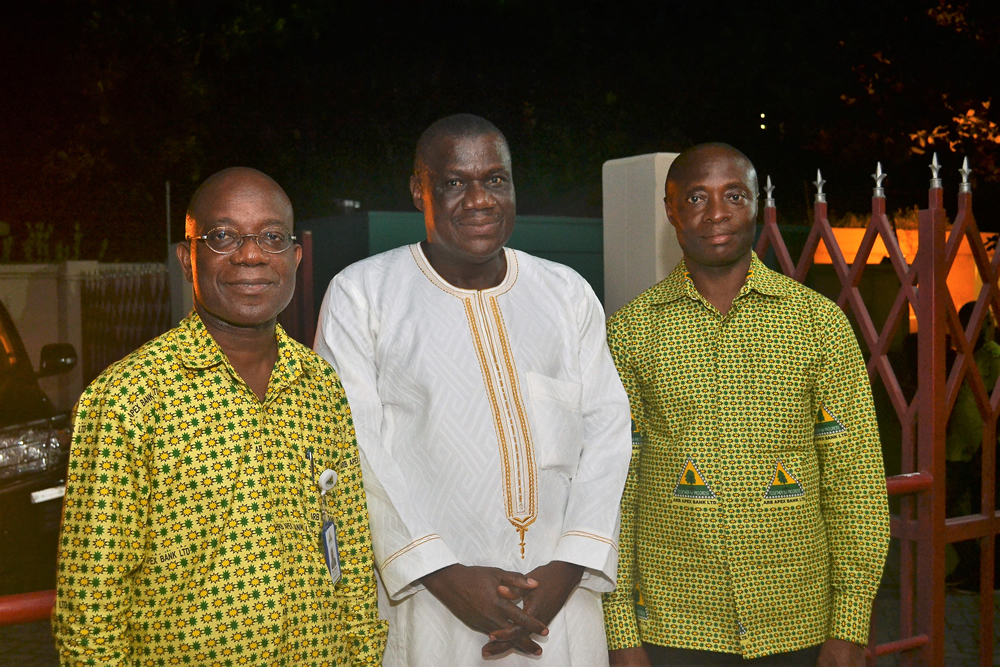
[[44, 302], [640, 246]]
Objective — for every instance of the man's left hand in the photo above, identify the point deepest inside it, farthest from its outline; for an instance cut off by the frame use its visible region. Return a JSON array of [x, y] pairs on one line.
[[840, 653], [556, 581]]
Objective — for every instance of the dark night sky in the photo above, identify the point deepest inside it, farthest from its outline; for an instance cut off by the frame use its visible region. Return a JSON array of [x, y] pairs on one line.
[[104, 101]]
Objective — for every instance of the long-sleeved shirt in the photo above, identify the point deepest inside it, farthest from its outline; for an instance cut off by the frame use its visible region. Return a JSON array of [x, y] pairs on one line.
[[493, 430], [191, 530], [755, 517]]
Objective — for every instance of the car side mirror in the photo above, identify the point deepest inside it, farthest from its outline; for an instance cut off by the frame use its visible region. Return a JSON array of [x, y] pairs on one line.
[[56, 358]]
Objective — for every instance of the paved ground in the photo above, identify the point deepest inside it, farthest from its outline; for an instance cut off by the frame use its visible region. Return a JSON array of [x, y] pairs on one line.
[[961, 627], [962, 630], [28, 645], [961, 620]]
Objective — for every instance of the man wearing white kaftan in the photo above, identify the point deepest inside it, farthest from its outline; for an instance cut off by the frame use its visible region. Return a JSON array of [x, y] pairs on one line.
[[494, 431]]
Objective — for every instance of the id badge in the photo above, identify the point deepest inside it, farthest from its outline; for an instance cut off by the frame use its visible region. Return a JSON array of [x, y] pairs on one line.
[[328, 540]]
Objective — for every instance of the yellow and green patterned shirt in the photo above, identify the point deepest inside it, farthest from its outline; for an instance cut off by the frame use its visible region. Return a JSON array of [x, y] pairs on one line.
[[755, 517], [191, 528]]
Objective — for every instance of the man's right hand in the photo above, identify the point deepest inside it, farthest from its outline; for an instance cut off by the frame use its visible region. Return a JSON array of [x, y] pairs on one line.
[[629, 657], [470, 593]]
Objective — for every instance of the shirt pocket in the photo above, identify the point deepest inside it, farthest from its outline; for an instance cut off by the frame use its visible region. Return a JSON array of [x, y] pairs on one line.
[[557, 427]]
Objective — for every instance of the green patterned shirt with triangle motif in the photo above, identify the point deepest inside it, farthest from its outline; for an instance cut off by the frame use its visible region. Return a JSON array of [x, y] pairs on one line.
[[754, 518]]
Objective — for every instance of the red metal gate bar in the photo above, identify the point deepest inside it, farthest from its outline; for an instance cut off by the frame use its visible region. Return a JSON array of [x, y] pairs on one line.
[[899, 646], [908, 483], [299, 318], [931, 298], [26, 607], [921, 525], [308, 316]]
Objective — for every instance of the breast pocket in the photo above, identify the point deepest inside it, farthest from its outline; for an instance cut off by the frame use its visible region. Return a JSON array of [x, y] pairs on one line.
[[557, 422]]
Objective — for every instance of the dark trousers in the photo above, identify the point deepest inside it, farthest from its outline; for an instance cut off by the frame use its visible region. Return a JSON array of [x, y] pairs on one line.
[[665, 656]]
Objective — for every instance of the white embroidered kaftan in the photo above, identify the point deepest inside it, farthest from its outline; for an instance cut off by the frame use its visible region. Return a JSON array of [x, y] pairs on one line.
[[494, 431]]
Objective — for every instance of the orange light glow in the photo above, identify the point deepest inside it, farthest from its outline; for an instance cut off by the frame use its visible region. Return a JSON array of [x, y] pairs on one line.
[[964, 281]]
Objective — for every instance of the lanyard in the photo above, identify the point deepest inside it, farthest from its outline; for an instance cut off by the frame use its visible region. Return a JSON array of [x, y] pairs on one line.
[[328, 530], [322, 493]]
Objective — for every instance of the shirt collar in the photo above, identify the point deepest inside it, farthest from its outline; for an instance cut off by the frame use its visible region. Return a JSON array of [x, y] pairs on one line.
[[765, 281], [759, 279], [196, 347], [198, 350]]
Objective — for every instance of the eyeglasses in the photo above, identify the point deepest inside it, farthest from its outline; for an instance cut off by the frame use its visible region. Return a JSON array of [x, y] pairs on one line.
[[226, 240]]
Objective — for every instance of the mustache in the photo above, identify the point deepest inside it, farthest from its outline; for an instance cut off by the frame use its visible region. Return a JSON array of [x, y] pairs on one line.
[[479, 217]]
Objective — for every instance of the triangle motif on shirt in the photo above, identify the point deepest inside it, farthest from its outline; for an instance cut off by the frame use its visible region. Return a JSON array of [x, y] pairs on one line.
[[640, 604], [692, 488], [827, 424], [783, 487], [636, 435]]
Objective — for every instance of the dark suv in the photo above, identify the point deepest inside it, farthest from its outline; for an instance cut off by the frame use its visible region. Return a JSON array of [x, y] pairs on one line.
[[34, 450]]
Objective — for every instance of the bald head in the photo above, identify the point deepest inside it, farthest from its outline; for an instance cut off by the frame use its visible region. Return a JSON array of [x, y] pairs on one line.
[[458, 126], [234, 183], [245, 284], [711, 201], [692, 162]]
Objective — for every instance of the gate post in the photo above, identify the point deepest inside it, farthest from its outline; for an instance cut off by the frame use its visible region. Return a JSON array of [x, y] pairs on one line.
[[640, 246], [931, 426]]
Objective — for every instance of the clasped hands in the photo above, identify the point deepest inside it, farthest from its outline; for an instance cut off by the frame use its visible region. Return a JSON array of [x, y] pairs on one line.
[[485, 599]]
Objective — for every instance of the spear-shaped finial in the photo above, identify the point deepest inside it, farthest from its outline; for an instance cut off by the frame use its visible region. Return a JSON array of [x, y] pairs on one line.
[[879, 176], [935, 168], [819, 183], [769, 202], [965, 186]]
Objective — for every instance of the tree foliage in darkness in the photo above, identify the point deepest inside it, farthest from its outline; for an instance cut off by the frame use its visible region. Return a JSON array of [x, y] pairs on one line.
[[104, 101]]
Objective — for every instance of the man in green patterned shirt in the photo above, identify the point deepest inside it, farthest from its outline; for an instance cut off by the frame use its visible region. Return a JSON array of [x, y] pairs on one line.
[[754, 520], [205, 466]]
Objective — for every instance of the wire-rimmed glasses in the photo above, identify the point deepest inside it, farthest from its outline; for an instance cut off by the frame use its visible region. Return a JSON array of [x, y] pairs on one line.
[[226, 240]]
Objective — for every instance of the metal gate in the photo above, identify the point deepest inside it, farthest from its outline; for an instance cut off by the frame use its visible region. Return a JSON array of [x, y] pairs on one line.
[[920, 525], [121, 308]]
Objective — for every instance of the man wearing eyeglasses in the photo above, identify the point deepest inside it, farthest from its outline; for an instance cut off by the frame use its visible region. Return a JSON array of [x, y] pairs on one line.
[[215, 512]]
